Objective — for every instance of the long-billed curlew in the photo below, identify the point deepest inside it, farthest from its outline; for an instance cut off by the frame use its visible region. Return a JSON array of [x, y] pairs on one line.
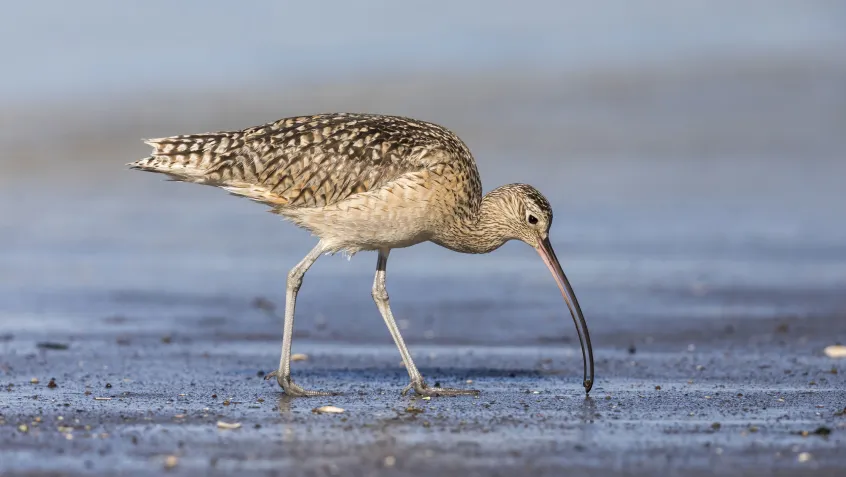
[[368, 182]]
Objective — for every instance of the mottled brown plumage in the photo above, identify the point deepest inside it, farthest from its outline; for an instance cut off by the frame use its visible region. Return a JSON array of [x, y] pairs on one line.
[[362, 182]]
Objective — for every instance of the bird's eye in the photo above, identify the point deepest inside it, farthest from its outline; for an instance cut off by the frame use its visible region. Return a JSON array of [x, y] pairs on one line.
[[532, 219]]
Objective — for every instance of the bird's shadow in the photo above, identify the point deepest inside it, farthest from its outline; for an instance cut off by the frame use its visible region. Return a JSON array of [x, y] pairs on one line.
[[430, 373], [363, 381]]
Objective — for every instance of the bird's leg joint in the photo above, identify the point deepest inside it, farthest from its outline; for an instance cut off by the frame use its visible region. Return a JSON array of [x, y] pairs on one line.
[[380, 293], [295, 279]]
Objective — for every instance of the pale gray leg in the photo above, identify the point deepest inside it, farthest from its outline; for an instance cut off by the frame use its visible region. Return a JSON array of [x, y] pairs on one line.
[[380, 296], [295, 280]]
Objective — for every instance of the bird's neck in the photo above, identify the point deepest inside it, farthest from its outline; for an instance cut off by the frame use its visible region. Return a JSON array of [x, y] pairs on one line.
[[481, 231]]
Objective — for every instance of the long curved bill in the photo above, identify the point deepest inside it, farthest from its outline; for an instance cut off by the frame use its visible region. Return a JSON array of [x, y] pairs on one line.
[[548, 255]]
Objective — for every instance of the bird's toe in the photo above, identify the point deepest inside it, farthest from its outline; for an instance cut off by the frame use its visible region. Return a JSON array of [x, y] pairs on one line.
[[422, 389], [293, 389]]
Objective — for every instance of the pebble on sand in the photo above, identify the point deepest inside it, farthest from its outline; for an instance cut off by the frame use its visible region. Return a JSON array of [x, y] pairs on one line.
[[835, 351], [327, 410], [299, 357], [171, 461]]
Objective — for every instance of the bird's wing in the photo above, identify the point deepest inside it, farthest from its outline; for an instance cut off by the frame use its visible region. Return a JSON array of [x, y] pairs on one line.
[[310, 161]]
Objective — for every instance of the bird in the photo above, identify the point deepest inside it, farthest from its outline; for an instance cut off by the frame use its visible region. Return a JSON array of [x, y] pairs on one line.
[[368, 182]]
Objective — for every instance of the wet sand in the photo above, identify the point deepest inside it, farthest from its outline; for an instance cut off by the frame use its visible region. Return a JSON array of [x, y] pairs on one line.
[[735, 402]]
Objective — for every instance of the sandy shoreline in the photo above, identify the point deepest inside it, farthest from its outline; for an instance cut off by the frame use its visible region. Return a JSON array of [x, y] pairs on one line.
[[737, 405]]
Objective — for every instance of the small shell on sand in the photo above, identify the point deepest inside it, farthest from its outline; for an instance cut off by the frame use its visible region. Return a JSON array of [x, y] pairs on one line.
[[327, 410], [299, 357], [835, 351], [226, 425]]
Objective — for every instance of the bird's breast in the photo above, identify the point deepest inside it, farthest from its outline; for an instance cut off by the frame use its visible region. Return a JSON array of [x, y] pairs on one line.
[[402, 213]]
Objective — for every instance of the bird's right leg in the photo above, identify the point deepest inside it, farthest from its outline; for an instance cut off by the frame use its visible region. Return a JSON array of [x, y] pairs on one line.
[[295, 280], [380, 296]]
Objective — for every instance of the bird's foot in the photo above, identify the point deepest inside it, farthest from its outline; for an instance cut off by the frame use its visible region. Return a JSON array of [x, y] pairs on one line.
[[422, 389], [292, 389]]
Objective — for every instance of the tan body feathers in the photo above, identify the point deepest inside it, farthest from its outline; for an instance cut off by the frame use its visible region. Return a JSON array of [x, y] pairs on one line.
[[361, 182]]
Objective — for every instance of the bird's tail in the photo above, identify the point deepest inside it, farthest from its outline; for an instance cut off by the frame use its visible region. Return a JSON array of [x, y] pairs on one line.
[[188, 157]]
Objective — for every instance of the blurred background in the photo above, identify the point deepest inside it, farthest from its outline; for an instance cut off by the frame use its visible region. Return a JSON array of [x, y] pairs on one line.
[[693, 152]]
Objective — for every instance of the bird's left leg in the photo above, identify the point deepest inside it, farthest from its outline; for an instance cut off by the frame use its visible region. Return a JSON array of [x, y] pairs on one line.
[[380, 296], [295, 280]]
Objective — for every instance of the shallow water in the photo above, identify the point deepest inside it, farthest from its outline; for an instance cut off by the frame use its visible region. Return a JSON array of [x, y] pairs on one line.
[[134, 245], [663, 233]]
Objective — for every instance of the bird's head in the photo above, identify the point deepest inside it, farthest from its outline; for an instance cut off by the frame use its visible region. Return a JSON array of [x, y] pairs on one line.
[[526, 215]]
